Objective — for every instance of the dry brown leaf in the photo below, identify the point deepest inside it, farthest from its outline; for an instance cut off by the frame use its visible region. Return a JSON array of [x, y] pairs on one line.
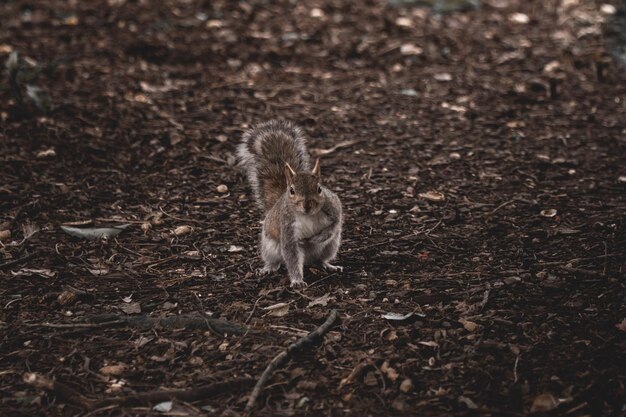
[[400, 405], [411, 49], [468, 402], [71, 20], [390, 372], [548, 213], [113, 369], [432, 196], [519, 18], [321, 301], [355, 373], [544, 402], [443, 76], [277, 310], [389, 335], [370, 379], [404, 22], [406, 386], [67, 298], [131, 308], [470, 326], [183, 230]]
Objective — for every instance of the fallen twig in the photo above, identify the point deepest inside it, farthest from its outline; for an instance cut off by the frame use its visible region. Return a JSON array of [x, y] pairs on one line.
[[506, 203], [575, 260], [252, 312], [183, 321], [75, 325], [344, 144], [74, 397], [16, 261], [356, 372], [405, 237], [286, 354], [580, 271]]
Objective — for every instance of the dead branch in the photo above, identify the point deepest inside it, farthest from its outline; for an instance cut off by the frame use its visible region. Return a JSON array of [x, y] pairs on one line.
[[16, 261], [583, 272], [286, 354], [75, 325], [74, 397], [62, 391], [183, 321]]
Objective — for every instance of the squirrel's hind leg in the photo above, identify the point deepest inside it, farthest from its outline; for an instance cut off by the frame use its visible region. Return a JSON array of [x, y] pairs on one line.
[[270, 253], [328, 253]]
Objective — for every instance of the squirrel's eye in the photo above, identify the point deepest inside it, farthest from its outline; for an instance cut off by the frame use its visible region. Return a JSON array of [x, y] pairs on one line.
[[319, 189], [292, 190]]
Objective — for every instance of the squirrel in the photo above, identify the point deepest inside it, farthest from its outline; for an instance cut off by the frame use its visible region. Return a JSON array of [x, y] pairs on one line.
[[303, 219]]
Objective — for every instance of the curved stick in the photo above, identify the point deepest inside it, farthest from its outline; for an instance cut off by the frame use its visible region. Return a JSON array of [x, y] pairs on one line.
[[284, 355]]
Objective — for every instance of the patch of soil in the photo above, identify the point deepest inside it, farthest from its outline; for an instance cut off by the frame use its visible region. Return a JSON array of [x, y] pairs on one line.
[[514, 112]]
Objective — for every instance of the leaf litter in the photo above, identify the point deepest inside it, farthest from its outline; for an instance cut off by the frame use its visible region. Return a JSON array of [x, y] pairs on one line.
[[127, 156]]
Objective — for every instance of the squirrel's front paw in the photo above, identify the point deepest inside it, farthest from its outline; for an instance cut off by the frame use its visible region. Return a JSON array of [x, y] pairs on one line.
[[267, 269], [330, 267], [298, 283]]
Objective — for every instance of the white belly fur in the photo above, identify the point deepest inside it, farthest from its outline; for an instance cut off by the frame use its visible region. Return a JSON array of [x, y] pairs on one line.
[[308, 226]]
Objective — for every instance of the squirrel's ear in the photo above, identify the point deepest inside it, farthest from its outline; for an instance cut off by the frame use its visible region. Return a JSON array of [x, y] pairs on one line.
[[316, 168], [289, 173]]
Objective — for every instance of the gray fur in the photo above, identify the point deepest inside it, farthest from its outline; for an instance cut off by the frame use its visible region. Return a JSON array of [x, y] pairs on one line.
[[261, 169], [290, 236]]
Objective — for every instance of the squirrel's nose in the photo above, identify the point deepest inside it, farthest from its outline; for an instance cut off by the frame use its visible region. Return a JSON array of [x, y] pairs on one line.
[[307, 206]]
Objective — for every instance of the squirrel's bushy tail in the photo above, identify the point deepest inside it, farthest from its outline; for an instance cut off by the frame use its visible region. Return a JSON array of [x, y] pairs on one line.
[[263, 152]]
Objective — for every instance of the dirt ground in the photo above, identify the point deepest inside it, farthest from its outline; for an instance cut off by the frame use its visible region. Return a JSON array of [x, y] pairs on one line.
[[480, 156]]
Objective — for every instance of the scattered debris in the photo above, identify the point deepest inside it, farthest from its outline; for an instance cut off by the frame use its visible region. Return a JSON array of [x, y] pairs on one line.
[[47, 153], [435, 196], [398, 316], [235, 248], [470, 326], [411, 49], [543, 403], [340, 145], [519, 18], [278, 310], [95, 233], [164, 407], [548, 213], [286, 354], [183, 230], [321, 301], [443, 77]]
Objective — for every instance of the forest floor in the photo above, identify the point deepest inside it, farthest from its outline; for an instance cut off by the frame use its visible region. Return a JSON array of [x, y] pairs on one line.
[[480, 156]]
